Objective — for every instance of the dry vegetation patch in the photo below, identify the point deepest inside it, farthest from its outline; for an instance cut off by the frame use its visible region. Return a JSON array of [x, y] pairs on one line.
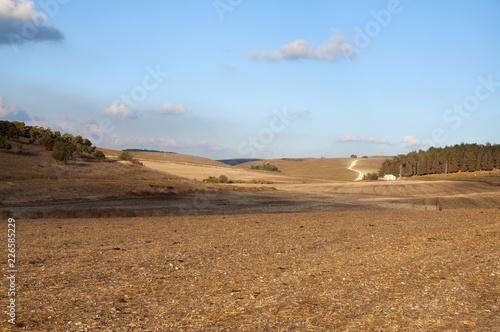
[[290, 272], [33, 176]]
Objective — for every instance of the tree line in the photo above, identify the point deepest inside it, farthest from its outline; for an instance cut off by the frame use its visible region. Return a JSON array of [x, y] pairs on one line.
[[460, 157], [63, 146]]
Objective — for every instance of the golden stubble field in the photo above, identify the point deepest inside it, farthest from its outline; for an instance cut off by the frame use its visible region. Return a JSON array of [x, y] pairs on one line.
[[354, 271]]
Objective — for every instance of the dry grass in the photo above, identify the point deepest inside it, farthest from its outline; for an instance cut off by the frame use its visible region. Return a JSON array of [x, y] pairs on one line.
[[411, 271], [36, 177], [332, 169], [166, 156], [193, 171], [369, 165]]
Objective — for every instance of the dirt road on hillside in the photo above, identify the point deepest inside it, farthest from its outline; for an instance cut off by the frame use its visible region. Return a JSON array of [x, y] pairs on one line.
[[360, 174]]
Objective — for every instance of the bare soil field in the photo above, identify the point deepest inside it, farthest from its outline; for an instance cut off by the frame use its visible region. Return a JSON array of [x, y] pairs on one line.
[[412, 195], [353, 271]]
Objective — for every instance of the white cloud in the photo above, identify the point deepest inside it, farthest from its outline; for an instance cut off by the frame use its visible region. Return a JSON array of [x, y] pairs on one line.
[[20, 10], [169, 142], [349, 138], [119, 110], [12, 112], [169, 108], [412, 142], [19, 23], [369, 140], [301, 49], [374, 140], [6, 109], [211, 146]]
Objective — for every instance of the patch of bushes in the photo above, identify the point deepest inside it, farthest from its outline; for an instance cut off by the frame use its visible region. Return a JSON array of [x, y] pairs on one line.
[[261, 182], [293, 159], [370, 176], [266, 167], [220, 179], [127, 156], [354, 156], [211, 179]]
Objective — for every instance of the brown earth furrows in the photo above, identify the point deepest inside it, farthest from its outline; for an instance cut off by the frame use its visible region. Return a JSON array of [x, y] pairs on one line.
[[390, 270]]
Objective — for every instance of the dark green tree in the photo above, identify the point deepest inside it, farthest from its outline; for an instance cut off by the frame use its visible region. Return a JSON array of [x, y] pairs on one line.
[[4, 144], [99, 155], [62, 150]]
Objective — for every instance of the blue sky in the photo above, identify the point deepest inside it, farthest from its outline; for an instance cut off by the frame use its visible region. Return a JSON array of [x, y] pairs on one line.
[[240, 78]]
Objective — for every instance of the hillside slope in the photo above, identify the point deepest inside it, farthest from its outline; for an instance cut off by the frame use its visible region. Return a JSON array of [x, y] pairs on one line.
[[31, 175], [331, 169], [164, 156]]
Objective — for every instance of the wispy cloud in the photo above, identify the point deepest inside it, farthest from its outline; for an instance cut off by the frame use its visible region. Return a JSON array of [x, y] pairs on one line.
[[369, 140], [169, 108], [119, 109], [373, 140], [164, 142], [19, 23], [349, 138], [211, 146], [412, 142], [330, 50]]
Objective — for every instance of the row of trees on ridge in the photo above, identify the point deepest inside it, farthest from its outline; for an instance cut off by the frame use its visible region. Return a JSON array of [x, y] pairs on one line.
[[63, 146], [460, 157]]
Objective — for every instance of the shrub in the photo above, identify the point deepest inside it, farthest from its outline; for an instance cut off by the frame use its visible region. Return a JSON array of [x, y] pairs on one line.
[[364, 157], [223, 179], [125, 155], [4, 144], [99, 155], [354, 156], [370, 176], [211, 179]]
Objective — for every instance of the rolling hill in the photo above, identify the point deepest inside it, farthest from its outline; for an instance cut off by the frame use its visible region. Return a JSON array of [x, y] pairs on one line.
[[330, 169]]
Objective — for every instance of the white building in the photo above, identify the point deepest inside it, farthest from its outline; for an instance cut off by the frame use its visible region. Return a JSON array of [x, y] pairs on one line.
[[389, 177]]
